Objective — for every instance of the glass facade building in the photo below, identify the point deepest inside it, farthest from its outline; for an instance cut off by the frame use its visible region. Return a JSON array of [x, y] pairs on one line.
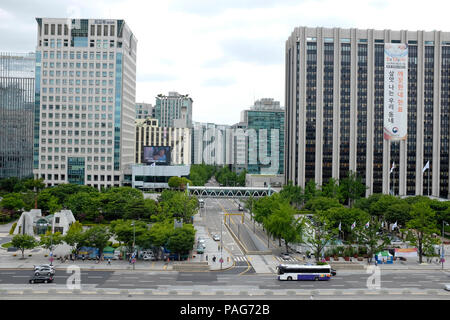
[[335, 110], [264, 123], [17, 99]]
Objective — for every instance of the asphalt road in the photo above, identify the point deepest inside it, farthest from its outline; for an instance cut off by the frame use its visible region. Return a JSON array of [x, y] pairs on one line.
[[214, 280]]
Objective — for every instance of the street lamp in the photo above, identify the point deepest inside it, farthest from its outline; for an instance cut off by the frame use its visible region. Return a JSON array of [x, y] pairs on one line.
[[134, 240], [442, 249], [221, 242]]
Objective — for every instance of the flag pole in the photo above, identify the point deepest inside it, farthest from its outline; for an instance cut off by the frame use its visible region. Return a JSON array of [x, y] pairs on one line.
[[428, 181]]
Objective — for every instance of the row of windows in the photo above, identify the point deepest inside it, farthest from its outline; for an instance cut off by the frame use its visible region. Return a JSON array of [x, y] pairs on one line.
[[72, 90], [98, 74], [78, 65], [78, 55], [78, 82], [76, 99]]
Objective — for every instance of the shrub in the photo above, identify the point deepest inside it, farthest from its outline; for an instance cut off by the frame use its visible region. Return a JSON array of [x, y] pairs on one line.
[[13, 227], [321, 263]]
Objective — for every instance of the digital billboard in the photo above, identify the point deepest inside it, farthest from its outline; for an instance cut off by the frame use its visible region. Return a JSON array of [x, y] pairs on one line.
[[157, 155]]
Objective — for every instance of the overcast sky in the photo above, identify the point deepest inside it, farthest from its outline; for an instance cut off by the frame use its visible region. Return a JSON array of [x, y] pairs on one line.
[[224, 53]]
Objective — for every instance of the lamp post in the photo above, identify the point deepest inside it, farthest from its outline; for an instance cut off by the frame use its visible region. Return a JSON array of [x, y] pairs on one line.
[[134, 240], [442, 245], [221, 242]]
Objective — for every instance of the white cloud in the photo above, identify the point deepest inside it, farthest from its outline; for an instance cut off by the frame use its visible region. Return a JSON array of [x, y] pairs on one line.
[[223, 53]]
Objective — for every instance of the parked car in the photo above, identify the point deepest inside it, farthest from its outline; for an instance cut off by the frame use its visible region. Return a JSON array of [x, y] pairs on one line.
[[44, 271], [41, 278], [285, 256], [216, 237], [149, 256]]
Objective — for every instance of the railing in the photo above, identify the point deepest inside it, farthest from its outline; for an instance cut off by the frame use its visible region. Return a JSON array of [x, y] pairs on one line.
[[229, 192]]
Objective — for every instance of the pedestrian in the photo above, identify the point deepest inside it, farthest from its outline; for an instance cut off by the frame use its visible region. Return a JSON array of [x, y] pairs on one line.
[[109, 261], [214, 258], [376, 262], [206, 257], [82, 257]]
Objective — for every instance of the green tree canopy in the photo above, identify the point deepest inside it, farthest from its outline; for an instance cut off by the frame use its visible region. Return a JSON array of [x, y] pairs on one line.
[[23, 242], [74, 236], [182, 239], [50, 240], [421, 226], [97, 237]]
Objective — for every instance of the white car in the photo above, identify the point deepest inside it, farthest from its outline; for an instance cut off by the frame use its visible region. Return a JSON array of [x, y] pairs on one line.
[[43, 266], [149, 256], [216, 237]]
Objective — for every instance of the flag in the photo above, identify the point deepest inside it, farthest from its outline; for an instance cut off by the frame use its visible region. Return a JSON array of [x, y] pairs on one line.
[[394, 225], [427, 166], [367, 224], [339, 226], [392, 168], [353, 225]]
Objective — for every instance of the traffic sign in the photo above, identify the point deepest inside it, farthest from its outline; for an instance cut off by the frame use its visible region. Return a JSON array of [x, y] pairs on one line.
[[221, 260]]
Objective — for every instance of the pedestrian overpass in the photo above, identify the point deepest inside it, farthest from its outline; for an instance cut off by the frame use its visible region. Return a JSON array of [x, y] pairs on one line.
[[229, 192]]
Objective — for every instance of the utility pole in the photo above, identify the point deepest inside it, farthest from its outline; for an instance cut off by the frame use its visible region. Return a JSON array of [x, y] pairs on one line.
[[442, 246], [221, 242], [133, 257]]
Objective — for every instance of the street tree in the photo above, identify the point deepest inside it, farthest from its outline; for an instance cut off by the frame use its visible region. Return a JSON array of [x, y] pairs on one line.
[[74, 236], [283, 224], [351, 188], [13, 201], [182, 240], [371, 237], [318, 233], [97, 237], [23, 242], [125, 232], [294, 194], [331, 190], [160, 233], [50, 240], [420, 229]]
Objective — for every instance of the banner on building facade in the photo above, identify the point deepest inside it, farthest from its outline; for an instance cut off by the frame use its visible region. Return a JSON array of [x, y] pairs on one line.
[[395, 91]]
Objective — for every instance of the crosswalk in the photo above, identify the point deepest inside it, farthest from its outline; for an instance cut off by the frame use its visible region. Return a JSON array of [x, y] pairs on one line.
[[240, 259], [275, 258]]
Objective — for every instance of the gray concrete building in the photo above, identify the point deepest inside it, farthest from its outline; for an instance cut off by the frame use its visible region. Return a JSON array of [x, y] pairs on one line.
[[335, 106], [143, 110], [173, 110]]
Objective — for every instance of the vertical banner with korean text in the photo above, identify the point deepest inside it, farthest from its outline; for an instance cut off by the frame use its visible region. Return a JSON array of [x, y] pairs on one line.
[[395, 91]]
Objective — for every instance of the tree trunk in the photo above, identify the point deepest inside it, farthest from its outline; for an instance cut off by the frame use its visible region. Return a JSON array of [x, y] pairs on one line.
[[22, 253]]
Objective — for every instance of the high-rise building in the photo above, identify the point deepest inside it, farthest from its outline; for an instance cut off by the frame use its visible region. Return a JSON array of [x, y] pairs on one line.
[[16, 114], [174, 110], [265, 143], [143, 110], [335, 110], [149, 134], [84, 129]]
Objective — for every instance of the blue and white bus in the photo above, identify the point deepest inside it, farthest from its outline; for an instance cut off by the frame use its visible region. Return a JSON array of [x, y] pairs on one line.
[[303, 272]]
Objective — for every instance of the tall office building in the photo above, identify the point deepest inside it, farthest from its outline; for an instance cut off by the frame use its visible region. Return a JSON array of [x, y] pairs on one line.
[[16, 114], [85, 101], [265, 150], [335, 110], [144, 110], [174, 110]]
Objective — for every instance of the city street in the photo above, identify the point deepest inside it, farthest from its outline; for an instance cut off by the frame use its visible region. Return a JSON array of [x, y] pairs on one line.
[[201, 284]]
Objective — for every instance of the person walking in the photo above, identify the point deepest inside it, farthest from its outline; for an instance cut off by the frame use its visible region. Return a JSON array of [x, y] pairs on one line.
[[109, 262], [214, 258]]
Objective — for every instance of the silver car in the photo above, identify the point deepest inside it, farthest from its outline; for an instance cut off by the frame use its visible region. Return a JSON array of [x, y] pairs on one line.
[[216, 237], [44, 271]]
